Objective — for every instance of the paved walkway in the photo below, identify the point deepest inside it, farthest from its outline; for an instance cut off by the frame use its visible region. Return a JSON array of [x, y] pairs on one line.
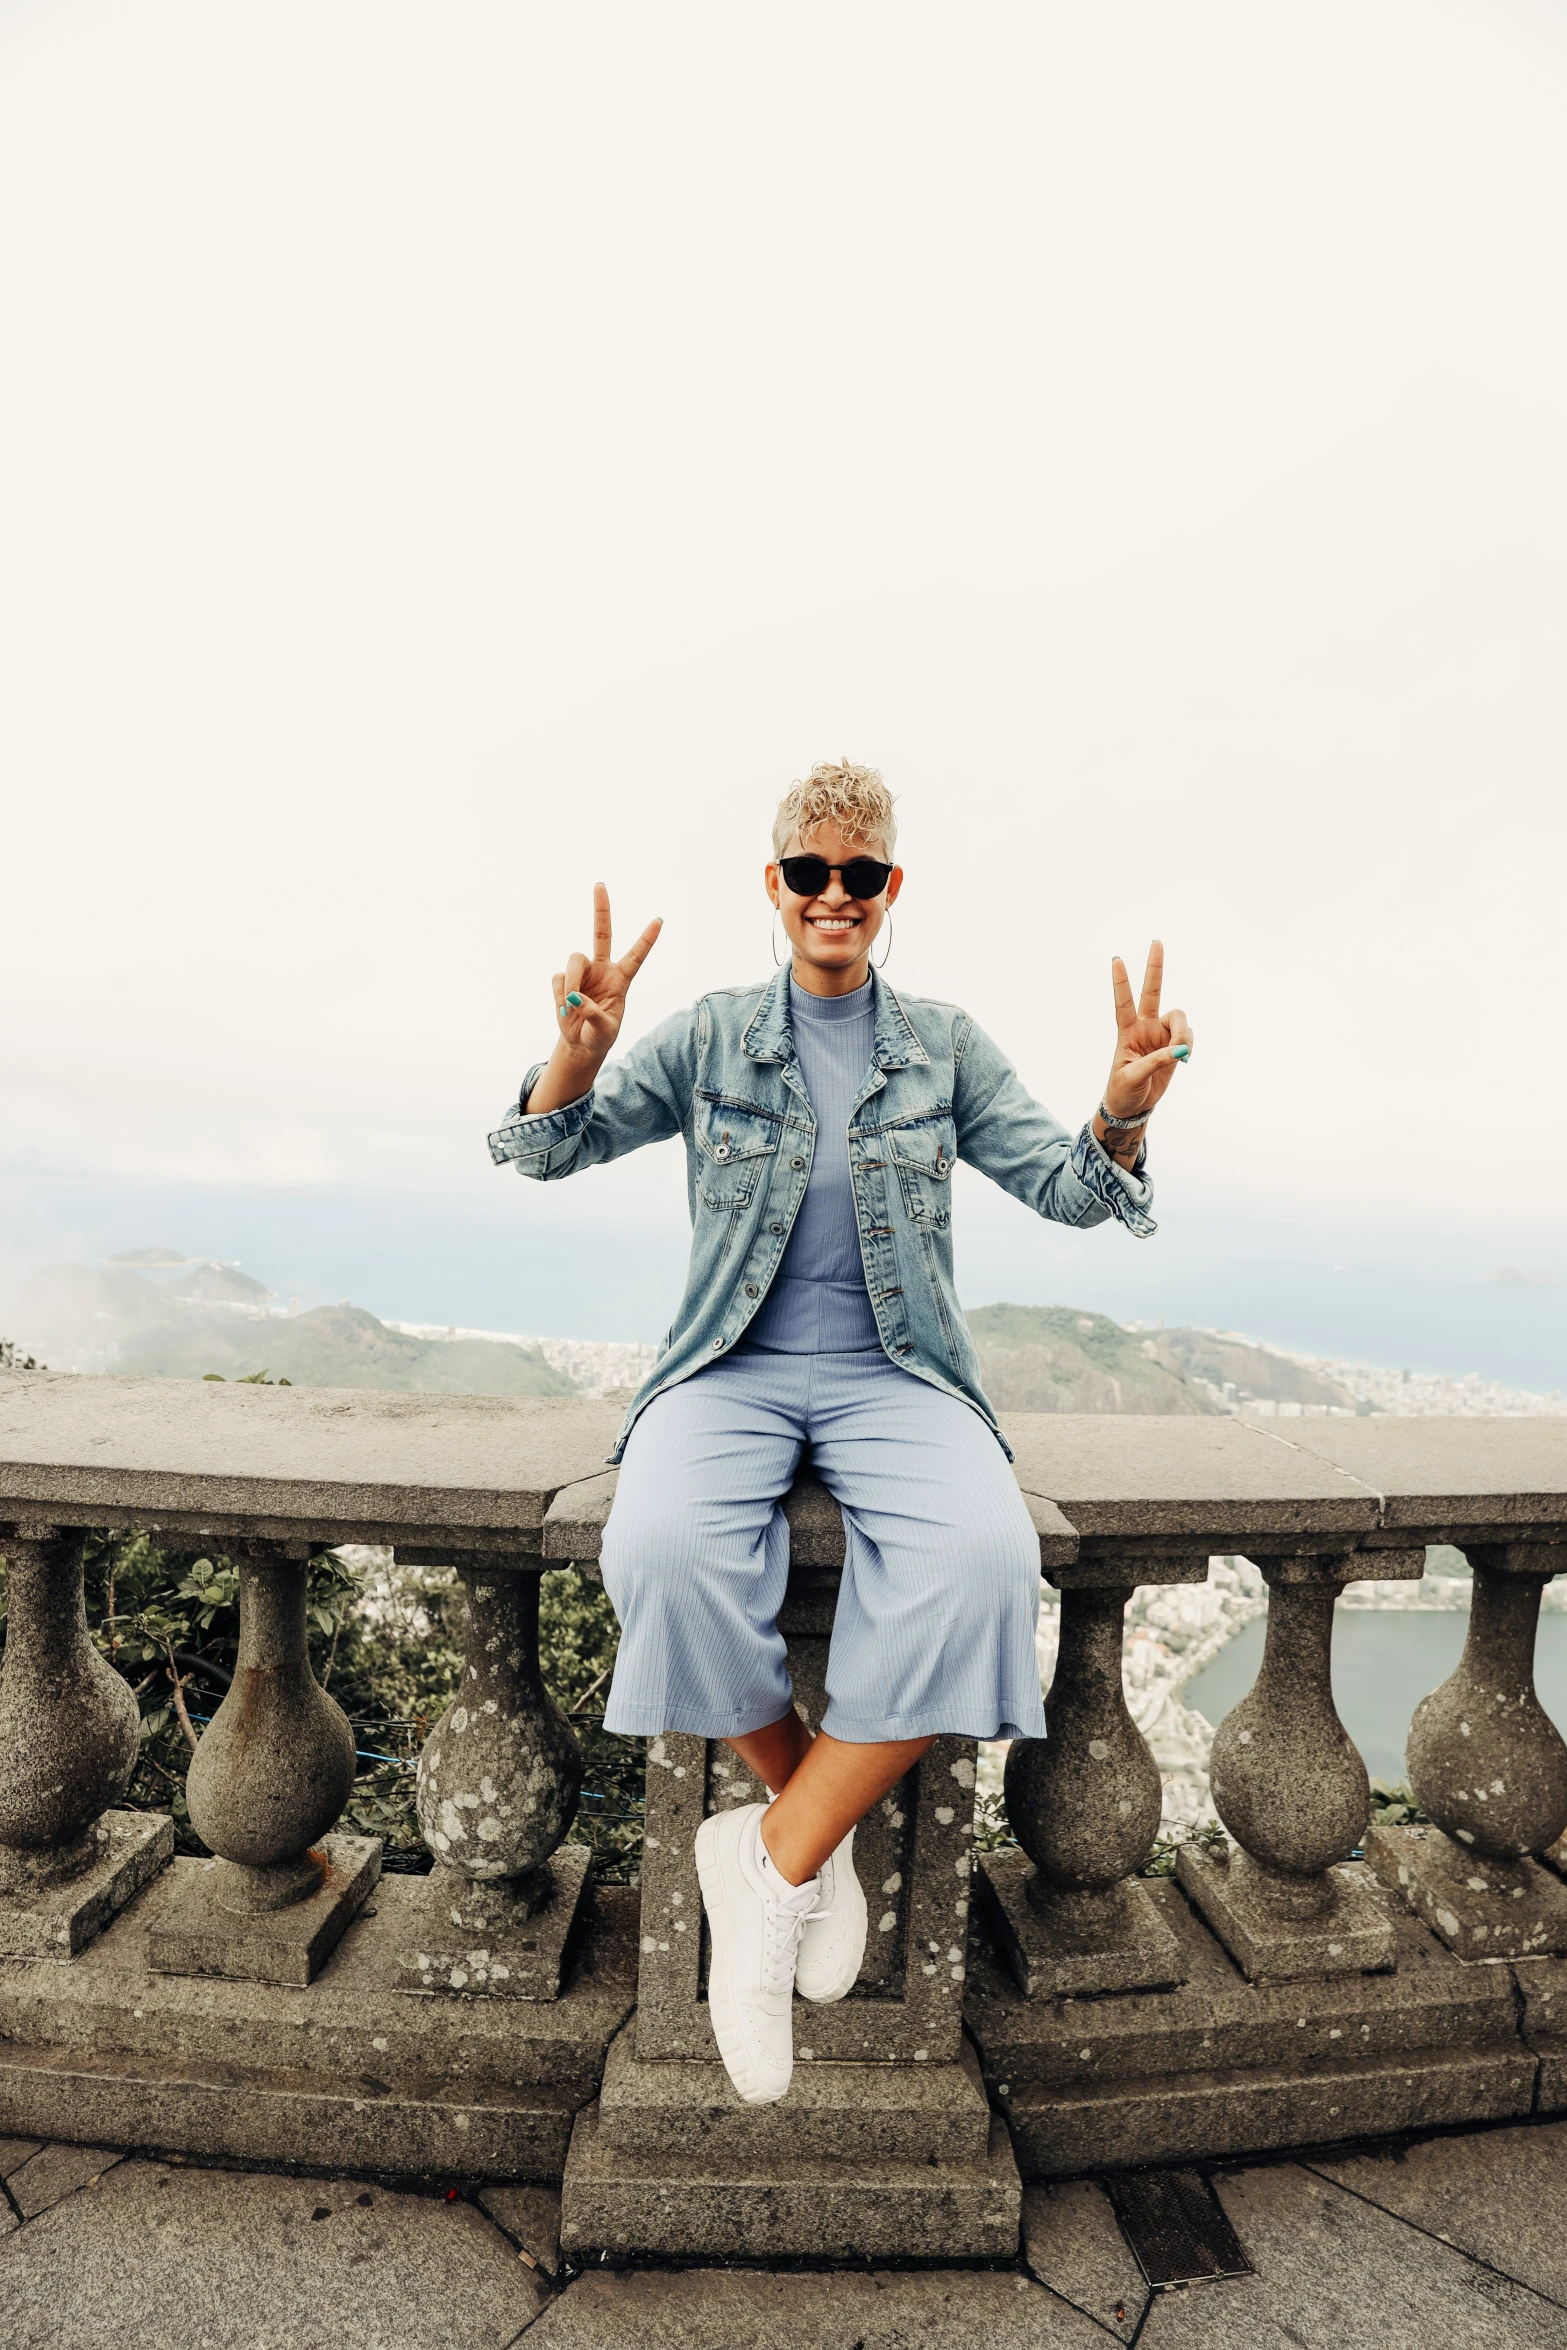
[[1451, 2243]]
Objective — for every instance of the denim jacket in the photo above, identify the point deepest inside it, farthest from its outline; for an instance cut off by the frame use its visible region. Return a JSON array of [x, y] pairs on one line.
[[723, 1074]]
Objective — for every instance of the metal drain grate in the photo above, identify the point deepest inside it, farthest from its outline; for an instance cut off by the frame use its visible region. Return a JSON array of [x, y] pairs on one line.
[[1172, 2220]]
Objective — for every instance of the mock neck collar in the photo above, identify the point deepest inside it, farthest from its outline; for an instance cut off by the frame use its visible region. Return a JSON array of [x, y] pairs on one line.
[[858, 1004], [769, 1036]]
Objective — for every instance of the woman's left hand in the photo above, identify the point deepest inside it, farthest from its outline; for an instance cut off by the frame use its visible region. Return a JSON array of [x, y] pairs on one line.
[[1148, 1049]]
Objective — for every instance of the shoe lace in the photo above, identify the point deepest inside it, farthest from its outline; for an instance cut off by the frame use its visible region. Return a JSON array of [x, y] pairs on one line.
[[781, 1931]]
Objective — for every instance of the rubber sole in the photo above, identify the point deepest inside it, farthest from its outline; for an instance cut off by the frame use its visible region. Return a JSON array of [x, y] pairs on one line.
[[720, 2002]]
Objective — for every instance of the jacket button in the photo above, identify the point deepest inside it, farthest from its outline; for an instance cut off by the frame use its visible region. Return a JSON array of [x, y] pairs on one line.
[[751, 1289], [718, 1342], [797, 1162], [775, 1227]]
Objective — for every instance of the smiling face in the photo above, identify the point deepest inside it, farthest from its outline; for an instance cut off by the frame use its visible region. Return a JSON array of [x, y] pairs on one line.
[[831, 935]]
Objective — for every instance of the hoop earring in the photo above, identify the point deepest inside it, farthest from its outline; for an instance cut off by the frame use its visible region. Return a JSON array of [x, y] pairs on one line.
[[882, 965], [777, 957]]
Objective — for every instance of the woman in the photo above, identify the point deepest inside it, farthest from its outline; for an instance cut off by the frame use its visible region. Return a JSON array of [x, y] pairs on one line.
[[822, 1114]]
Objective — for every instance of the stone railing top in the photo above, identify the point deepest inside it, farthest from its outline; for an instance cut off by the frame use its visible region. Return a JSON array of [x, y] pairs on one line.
[[318, 1463], [1436, 1475], [497, 1473], [1141, 1478]]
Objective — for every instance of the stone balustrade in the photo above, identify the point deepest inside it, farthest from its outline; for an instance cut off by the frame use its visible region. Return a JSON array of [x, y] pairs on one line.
[[504, 2017]]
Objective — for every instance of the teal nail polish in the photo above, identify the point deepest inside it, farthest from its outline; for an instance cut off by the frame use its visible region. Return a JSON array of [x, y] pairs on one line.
[[560, 1011], [1181, 1052], [575, 1002]]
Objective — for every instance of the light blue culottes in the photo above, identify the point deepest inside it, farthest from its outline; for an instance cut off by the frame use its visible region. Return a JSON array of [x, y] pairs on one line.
[[934, 1629]]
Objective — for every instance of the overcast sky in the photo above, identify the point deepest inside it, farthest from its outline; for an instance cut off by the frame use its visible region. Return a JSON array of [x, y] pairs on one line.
[[451, 455]]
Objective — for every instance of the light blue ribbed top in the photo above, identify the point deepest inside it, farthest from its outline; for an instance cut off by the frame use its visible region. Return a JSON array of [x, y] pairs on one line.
[[818, 1302]]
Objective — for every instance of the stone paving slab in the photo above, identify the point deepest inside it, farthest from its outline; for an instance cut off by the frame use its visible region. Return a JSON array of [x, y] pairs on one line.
[[55, 2172], [716, 2309], [1072, 2241], [531, 2217], [1502, 2197], [1334, 2273], [14, 2152], [154, 2257]]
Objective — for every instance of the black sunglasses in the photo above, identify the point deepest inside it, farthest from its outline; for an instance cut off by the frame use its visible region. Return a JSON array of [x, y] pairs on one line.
[[862, 877]]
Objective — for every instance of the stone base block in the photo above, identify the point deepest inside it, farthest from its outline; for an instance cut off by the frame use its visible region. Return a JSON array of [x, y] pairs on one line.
[[270, 1945], [483, 1941], [1354, 1935], [833, 2112], [57, 1921], [347, 2074], [1137, 1953], [707, 2205], [1173, 2119], [1480, 1908]]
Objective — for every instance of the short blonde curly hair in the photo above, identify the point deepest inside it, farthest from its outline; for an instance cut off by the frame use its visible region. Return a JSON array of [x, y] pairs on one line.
[[854, 797]]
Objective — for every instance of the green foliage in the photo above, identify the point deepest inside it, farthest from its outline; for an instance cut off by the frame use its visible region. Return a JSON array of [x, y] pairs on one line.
[[1208, 1835], [12, 1360], [1393, 1806]]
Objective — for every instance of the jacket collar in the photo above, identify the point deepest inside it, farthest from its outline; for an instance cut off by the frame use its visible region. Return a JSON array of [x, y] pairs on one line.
[[770, 1037]]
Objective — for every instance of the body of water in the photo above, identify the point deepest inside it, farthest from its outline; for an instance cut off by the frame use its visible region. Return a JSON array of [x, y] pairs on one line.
[[1384, 1663]]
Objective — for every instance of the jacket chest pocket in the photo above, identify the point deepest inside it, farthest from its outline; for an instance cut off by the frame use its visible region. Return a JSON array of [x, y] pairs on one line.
[[925, 1153], [735, 1145]]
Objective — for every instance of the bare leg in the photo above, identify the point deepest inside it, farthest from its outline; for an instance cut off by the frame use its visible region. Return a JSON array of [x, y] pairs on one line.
[[776, 1752], [829, 1791]]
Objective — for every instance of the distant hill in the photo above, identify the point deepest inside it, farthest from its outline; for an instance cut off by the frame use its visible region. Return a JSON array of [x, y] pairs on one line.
[[1055, 1359], [337, 1346], [1254, 1371], [77, 1319]]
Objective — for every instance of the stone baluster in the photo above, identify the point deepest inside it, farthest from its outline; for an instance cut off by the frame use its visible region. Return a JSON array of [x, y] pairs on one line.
[[1084, 1803], [268, 1779], [1293, 1793], [68, 1745], [1490, 1767], [498, 1786]]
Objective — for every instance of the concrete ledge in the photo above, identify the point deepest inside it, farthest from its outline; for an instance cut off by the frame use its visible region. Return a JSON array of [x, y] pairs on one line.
[[833, 2112], [108, 2050], [707, 2206], [391, 2127], [1222, 2066], [1174, 2118]]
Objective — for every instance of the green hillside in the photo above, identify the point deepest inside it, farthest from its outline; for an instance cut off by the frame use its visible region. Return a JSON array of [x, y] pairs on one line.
[[334, 1346], [1057, 1359]]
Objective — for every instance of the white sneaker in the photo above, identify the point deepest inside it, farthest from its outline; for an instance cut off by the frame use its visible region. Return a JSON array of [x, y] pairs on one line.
[[755, 1918], [833, 1943]]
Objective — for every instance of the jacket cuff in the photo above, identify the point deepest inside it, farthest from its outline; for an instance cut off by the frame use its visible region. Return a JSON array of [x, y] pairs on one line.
[[520, 1137], [1127, 1195]]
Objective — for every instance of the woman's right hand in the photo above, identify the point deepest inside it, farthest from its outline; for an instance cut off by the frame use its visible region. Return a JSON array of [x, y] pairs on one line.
[[587, 1029]]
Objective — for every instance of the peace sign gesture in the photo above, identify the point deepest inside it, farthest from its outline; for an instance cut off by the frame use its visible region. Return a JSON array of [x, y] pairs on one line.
[[590, 1003], [1149, 1045], [590, 994]]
